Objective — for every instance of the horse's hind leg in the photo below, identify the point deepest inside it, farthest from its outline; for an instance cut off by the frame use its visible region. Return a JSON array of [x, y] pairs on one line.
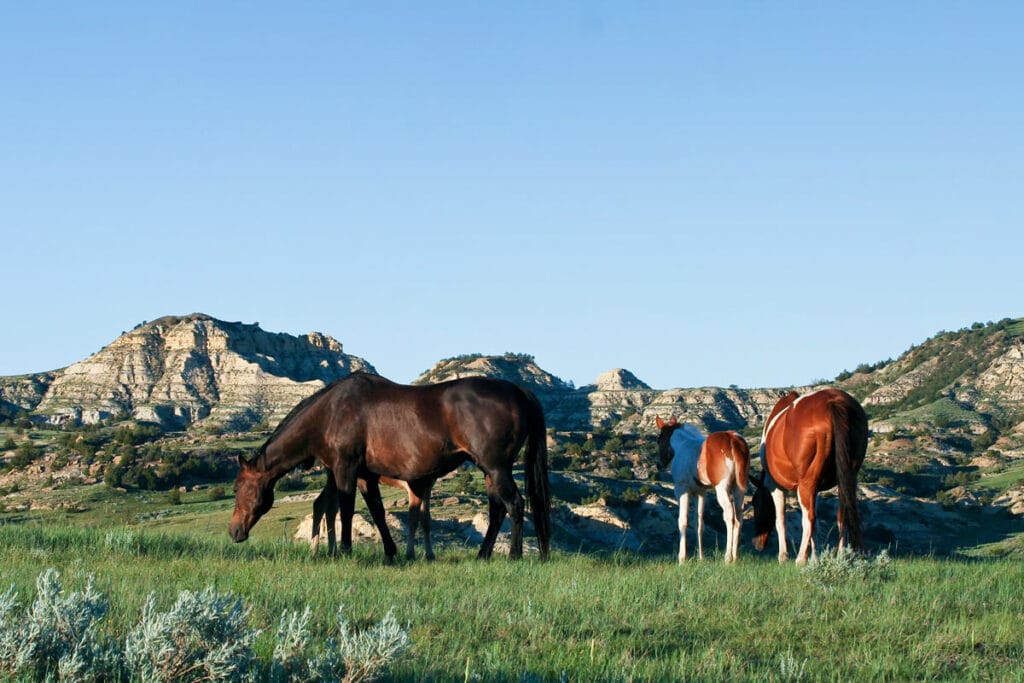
[[422, 493], [684, 518], [700, 525], [737, 497], [415, 506], [504, 499], [807, 498], [725, 500], [779, 499]]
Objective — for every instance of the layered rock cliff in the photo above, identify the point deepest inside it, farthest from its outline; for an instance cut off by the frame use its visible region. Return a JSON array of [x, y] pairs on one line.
[[178, 370]]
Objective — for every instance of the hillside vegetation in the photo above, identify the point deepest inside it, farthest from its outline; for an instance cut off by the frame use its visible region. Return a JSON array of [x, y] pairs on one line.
[[943, 472]]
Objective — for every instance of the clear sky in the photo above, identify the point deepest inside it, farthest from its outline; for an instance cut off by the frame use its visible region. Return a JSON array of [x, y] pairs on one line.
[[750, 193]]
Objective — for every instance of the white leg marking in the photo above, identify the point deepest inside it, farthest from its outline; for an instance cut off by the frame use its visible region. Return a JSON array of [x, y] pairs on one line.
[[700, 525], [807, 538], [779, 498], [728, 516], [684, 513]]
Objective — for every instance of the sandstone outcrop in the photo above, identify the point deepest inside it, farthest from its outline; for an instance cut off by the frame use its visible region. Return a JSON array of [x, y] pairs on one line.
[[178, 370]]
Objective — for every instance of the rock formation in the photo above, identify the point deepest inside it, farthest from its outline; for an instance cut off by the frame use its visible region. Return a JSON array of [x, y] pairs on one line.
[[178, 370]]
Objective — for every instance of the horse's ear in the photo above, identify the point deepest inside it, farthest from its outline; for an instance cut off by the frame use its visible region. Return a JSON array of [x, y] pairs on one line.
[[658, 421], [242, 462]]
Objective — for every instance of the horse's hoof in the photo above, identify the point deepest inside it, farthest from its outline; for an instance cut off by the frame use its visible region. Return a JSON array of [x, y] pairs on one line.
[[389, 560]]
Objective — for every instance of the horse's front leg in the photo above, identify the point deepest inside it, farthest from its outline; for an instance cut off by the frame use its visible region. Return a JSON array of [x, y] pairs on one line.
[[345, 483], [371, 494]]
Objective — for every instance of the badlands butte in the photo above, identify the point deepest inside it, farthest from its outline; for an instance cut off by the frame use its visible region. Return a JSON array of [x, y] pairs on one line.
[[944, 470]]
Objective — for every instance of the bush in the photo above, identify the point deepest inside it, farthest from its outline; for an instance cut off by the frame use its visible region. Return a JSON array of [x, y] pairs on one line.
[[831, 569], [216, 492], [204, 637], [58, 634], [26, 454], [362, 656]]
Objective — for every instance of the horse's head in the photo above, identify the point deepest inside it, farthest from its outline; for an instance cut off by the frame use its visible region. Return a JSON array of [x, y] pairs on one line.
[[764, 511], [665, 452], [254, 494]]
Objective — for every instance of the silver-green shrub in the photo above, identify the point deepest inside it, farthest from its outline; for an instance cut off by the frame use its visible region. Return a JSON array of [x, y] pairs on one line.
[[290, 661], [56, 638], [833, 568], [353, 656], [204, 637]]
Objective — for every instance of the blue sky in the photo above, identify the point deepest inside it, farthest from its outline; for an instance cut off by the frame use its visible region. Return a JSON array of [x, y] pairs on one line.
[[759, 194]]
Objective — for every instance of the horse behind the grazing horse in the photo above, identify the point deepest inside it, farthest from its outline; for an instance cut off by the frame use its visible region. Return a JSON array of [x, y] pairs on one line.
[[810, 443], [325, 510], [365, 426], [720, 461]]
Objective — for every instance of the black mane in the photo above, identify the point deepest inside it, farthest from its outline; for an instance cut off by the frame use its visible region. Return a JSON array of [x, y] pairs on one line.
[[290, 417]]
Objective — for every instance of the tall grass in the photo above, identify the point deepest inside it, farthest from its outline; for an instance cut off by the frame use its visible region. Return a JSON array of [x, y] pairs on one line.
[[576, 617]]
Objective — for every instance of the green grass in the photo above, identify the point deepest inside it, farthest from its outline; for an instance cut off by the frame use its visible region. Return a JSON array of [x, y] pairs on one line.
[[1006, 479], [618, 617]]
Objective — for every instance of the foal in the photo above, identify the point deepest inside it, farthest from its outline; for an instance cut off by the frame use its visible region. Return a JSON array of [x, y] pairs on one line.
[[325, 508], [720, 461]]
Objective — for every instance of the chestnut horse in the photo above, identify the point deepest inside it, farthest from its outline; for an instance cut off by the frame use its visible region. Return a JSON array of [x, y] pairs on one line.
[[810, 443], [325, 509], [365, 426], [720, 461]]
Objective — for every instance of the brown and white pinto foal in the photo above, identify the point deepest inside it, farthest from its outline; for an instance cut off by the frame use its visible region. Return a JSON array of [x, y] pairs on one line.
[[325, 509], [810, 443], [720, 461]]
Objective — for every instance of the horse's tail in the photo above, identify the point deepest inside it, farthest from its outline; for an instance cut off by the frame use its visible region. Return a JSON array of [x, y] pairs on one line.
[[850, 442], [741, 459], [537, 487]]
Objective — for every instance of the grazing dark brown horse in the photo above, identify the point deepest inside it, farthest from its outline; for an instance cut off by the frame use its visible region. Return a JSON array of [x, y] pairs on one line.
[[720, 461], [365, 426], [810, 443], [325, 509]]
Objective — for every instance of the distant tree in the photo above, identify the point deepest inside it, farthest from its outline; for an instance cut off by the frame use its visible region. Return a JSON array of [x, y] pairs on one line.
[[26, 453], [613, 445]]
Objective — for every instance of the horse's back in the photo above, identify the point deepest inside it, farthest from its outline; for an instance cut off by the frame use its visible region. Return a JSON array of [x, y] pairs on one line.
[[725, 454], [820, 417]]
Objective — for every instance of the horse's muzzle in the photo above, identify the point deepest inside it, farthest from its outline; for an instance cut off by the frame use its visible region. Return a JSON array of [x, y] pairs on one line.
[[237, 532]]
